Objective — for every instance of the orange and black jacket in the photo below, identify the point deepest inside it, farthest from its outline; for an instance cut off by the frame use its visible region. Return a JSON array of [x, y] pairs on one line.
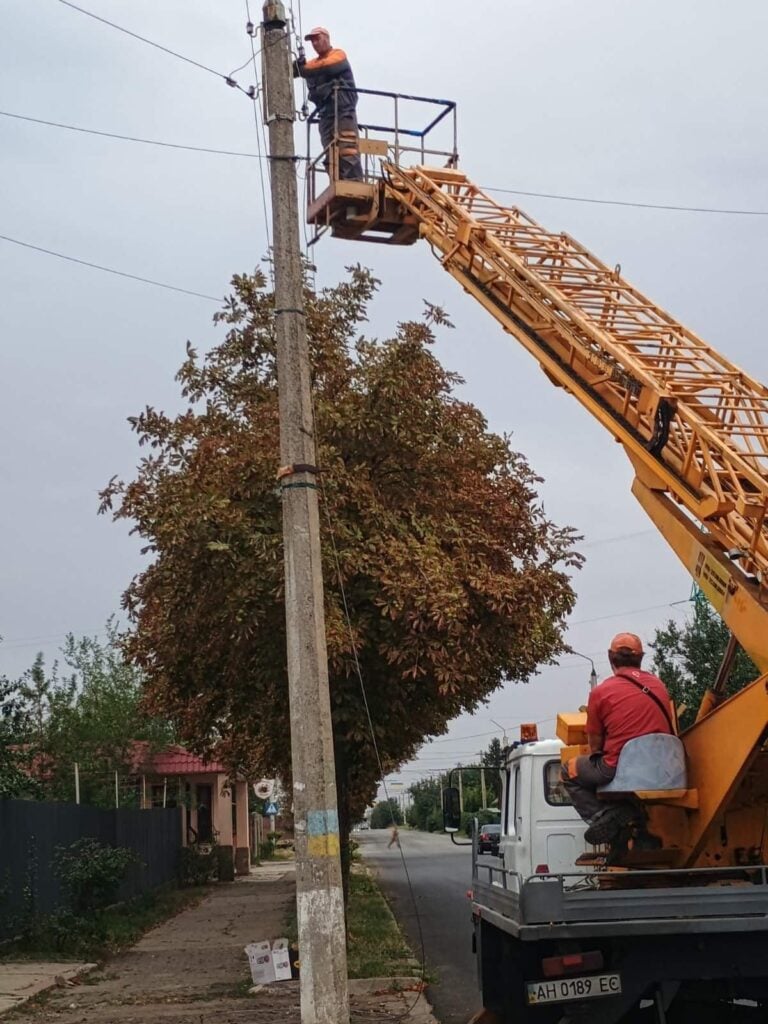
[[322, 75]]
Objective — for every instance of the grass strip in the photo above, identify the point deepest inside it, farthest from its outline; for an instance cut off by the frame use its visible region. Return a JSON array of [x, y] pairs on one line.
[[376, 947], [103, 933]]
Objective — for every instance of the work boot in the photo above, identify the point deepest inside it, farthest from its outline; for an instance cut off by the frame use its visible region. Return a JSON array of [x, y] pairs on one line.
[[609, 823]]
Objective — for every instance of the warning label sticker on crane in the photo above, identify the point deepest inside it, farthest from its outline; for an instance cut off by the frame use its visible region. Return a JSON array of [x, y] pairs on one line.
[[712, 579]]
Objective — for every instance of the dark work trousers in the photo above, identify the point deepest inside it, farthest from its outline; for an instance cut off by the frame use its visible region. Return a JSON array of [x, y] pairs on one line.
[[350, 167], [581, 777]]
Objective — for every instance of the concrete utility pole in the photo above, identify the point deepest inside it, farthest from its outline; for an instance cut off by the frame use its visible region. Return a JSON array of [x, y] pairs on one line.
[[320, 903], [461, 791], [482, 786]]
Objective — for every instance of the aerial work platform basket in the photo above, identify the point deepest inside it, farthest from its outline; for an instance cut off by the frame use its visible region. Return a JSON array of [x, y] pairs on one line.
[[363, 210]]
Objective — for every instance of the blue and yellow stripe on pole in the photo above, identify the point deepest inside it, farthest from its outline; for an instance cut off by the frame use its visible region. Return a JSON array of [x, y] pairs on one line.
[[323, 833]]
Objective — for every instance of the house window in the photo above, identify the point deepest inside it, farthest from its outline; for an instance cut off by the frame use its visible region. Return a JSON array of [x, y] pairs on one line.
[[159, 791]]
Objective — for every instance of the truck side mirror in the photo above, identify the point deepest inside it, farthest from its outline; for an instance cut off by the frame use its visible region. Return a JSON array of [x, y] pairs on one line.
[[451, 809]]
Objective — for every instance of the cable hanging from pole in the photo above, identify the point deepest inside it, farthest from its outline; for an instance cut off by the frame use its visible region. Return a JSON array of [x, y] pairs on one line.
[[260, 137]]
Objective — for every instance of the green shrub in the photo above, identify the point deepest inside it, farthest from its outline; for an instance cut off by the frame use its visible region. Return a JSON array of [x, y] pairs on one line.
[[435, 821], [90, 874], [483, 818], [268, 847], [386, 813], [197, 865], [225, 864]]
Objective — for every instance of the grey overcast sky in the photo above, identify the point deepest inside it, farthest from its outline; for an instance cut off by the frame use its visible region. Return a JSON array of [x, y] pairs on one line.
[[656, 102]]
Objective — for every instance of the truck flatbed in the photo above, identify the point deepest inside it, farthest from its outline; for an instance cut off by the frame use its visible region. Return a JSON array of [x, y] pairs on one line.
[[577, 905]]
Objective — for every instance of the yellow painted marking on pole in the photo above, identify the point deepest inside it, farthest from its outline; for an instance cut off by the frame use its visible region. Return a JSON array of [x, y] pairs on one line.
[[323, 846]]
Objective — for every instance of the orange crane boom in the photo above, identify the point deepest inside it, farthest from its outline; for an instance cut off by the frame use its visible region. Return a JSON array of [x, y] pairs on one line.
[[694, 426]]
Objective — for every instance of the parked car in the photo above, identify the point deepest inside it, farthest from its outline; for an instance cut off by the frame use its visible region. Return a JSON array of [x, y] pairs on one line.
[[488, 841]]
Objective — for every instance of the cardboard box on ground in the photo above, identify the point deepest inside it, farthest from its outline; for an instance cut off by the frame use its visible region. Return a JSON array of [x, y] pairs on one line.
[[269, 963]]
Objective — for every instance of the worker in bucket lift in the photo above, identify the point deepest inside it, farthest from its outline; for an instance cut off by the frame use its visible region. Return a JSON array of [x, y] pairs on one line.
[[628, 704], [331, 87]]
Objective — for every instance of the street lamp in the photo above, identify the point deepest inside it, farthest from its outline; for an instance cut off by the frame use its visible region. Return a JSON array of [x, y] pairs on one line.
[[503, 729], [593, 673]]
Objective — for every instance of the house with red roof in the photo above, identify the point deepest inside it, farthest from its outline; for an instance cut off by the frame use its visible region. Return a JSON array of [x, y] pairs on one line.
[[214, 805]]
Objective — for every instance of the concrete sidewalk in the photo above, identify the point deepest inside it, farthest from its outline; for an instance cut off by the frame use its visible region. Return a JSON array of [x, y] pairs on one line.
[[193, 970], [28, 978]]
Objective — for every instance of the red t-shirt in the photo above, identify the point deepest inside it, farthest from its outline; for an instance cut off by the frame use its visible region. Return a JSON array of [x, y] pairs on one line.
[[619, 711]]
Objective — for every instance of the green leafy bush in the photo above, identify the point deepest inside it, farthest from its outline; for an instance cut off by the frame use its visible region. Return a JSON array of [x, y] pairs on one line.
[[90, 874], [268, 847], [197, 865], [225, 864], [107, 931], [386, 813], [483, 818]]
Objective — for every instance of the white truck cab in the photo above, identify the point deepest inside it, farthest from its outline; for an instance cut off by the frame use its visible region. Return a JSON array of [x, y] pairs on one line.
[[541, 833], [561, 943]]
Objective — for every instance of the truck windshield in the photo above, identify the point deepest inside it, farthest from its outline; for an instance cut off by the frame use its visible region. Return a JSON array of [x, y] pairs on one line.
[[555, 792]]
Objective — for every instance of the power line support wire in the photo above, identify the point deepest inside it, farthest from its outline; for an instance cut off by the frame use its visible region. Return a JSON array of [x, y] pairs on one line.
[[320, 902], [107, 270]]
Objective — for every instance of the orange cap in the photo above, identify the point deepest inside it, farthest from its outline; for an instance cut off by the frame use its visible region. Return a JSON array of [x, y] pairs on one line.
[[627, 642], [317, 31]]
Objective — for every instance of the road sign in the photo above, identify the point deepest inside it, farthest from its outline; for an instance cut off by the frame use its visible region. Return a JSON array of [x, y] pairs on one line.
[[271, 808]]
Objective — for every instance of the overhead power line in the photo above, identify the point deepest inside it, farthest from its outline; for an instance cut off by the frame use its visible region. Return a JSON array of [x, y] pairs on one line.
[[129, 138], [630, 203], [619, 536], [227, 78], [632, 611], [262, 143], [150, 42], [108, 270], [263, 157]]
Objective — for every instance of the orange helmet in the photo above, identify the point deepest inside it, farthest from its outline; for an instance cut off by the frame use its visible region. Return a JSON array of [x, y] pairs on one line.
[[628, 643]]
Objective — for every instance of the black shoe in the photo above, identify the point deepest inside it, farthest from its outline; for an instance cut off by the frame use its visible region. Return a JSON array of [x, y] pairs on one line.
[[609, 823]]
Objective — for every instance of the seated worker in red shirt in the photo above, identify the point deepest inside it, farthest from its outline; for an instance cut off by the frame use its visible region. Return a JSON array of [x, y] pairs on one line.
[[628, 704]]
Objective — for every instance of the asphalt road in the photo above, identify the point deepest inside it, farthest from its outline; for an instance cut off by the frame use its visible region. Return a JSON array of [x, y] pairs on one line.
[[440, 874]]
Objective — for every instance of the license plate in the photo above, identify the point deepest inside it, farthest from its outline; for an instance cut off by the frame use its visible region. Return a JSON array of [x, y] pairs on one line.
[[569, 990]]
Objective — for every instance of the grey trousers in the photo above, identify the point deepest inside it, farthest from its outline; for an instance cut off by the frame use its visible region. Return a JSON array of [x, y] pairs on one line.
[[581, 777], [350, 167]]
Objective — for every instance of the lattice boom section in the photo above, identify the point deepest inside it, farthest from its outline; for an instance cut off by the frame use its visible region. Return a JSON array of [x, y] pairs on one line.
[[654, 382]]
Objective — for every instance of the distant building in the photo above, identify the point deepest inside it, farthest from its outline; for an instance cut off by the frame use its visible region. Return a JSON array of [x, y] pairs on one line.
[[214, 806]]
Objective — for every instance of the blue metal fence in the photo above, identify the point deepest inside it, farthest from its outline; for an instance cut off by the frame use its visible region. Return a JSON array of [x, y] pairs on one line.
[[31, 831]]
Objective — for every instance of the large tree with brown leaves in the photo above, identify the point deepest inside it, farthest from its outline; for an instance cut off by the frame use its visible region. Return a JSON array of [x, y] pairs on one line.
[[454, 578]]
